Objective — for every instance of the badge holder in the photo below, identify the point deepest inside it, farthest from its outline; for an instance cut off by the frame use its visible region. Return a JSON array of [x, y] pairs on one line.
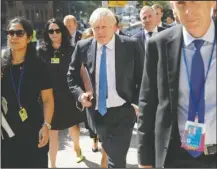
[[55, 59], [194, 136], [23, 114]]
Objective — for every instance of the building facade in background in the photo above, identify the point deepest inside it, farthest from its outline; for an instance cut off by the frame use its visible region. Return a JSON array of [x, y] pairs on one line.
[[38, 11]]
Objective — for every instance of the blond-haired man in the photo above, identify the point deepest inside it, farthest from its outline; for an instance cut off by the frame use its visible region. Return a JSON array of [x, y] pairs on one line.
[[114, 64]]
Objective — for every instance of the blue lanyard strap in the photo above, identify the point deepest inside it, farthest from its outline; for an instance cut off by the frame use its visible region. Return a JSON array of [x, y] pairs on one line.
[[196, 105], [19, 84]]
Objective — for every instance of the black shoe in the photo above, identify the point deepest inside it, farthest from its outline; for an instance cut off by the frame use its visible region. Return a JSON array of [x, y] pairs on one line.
[[95, 150]]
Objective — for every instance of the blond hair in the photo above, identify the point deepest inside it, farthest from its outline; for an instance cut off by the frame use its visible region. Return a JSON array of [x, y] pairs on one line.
[[100, 13]]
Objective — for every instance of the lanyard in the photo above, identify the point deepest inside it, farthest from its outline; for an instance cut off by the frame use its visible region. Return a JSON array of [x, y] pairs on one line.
[[196, 105], [19, 84]]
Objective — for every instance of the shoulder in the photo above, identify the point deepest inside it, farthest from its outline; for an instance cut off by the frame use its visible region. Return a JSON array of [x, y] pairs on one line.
[[137, 35], [167, 35], [84, 42], [161, 28], [126, 38]]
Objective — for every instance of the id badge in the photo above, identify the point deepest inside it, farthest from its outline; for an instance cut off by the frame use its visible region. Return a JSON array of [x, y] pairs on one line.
[[194, 136], [55, 60], [23, 114]]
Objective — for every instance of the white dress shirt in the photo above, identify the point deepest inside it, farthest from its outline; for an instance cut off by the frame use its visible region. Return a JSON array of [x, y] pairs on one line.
[[210, 85], [160, 24], [113, 100], [73, 38], [155, 30], [147, 37]]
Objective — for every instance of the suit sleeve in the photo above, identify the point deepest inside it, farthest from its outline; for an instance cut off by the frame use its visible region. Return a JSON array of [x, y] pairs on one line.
[[139, 62], [148, 101], [73, 75]]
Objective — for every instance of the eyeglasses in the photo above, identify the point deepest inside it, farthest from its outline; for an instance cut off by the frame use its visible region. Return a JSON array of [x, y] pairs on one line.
[[51, 31], [19, 33]]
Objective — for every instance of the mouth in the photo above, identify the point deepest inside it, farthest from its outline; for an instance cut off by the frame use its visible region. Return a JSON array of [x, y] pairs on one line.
[[15, 43]]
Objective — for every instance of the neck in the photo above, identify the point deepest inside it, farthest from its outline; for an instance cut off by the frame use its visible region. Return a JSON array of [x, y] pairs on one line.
[[201, 31], [56, 45], [149, 29], [18, 56]]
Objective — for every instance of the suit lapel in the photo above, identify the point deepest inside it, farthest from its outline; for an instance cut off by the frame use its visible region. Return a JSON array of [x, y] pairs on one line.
[[119, 53], [142, 39], [173, 52], [91, 56]]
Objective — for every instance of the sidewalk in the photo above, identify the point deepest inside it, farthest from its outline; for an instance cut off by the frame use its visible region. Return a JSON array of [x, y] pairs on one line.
[[66, 155]]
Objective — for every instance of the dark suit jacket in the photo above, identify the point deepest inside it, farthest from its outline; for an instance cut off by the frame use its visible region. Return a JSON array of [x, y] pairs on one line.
[[78, 36], [129, 61], [158, 99], [141, 36], [122, 33]]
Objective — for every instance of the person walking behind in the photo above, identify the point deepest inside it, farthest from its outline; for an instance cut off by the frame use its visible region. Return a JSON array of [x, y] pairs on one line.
[[56, 52], [24, 78]]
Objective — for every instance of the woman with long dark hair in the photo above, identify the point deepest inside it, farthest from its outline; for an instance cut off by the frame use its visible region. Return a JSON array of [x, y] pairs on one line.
[[56, 52], [24, 79]]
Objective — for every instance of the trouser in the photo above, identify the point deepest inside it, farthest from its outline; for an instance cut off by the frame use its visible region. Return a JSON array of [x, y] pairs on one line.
[[115, 131]]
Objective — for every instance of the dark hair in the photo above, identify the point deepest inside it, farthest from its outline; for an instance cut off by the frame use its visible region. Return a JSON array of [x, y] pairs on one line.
[[66, 37], [171, 16], [117, 20], [31, 50]]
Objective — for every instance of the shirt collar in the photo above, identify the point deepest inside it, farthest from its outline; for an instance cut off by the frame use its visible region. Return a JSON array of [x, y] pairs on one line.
[[155, 30], [208, 37], [73, 35], [109, 45], [160, 24]]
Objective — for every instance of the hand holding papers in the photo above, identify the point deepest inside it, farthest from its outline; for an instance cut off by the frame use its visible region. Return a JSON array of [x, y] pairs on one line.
[[85, 98]]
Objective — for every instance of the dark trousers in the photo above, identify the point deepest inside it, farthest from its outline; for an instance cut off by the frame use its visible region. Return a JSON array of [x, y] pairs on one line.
[[178, 157], [23, 153], [115, 131]]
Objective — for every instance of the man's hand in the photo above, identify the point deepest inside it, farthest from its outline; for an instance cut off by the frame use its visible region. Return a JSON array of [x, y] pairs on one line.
[[145, 166], [136, 108], [43, 136], [86, 98]]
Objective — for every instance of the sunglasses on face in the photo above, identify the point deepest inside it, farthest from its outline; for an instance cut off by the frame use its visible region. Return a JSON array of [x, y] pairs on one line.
[[51, 31], [19, 33]]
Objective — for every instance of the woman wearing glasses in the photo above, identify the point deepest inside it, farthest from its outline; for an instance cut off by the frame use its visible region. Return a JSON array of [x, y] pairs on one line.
[[56, 52], [24, 78]]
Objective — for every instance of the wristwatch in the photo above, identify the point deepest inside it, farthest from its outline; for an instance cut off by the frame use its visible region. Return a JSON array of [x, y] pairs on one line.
[[47, 124]]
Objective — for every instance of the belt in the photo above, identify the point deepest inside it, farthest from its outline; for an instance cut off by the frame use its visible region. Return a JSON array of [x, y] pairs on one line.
[[210, 149]]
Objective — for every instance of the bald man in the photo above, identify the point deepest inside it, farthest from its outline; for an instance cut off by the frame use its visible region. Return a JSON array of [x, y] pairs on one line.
[[71, 23], [150, 28]]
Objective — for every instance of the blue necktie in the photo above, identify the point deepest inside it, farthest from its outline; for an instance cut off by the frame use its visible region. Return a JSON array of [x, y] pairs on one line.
[[197, 82], [102, 84]]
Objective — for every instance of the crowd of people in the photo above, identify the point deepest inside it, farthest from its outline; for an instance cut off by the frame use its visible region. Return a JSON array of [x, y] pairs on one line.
[[163, 78]]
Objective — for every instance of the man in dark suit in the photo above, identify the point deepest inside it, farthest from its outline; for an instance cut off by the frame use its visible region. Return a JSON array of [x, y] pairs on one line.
[[159, 14], [117, 29], [71, 23], [175, 67], [114, 64], [148, 18]]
